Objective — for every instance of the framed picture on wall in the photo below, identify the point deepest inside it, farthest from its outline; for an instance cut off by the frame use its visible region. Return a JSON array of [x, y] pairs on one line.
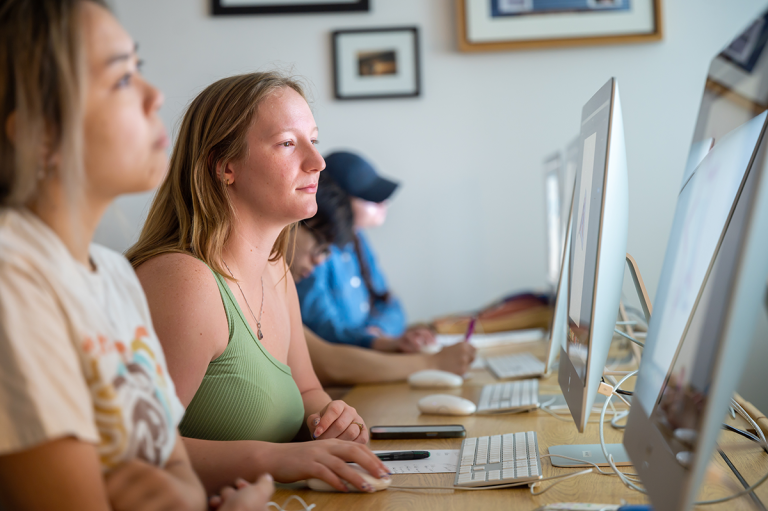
[[488, 25], [228, 7], [376, 63]]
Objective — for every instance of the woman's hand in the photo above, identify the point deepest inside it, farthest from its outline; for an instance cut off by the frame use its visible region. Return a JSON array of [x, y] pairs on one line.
[[244, 496], [323, 460], [137, 485], [338, 420], [415, 339], [455, 358]]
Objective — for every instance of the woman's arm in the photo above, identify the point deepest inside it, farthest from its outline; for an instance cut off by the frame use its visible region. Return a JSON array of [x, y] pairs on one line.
[[337, 364], [325, 418], [141, 486], [188, 316], [219, 464], [65, 474], [191, 324]]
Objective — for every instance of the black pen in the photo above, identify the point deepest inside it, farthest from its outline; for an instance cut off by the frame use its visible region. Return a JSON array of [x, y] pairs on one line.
[[404, 455]]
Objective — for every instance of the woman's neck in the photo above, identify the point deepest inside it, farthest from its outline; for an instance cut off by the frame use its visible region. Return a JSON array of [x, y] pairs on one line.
[[248, 248], [73, 221]]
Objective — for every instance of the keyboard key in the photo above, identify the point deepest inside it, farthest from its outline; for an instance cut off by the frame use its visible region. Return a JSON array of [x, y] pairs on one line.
[[498, 459]]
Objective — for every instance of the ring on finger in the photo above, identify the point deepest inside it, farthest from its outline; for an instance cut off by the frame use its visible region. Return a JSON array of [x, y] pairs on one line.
[[359, 425]]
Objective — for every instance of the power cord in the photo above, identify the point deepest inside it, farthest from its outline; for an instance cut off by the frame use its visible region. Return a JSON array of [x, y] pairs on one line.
[[292, 497], [633, 486]]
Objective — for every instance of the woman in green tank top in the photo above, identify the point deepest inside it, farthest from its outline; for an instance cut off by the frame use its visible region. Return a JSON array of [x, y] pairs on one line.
[[212, 261]]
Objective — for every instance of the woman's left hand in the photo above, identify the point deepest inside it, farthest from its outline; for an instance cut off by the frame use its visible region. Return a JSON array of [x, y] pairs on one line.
[[338, 420]]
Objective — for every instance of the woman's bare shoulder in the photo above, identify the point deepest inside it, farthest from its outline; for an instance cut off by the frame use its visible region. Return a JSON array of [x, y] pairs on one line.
[[182, 285]]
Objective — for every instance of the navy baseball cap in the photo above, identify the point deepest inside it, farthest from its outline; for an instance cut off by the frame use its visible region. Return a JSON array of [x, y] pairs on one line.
[[357, 177]]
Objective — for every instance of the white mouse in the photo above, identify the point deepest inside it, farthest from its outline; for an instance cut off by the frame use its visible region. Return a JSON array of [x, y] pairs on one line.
[[444, 404], [376, 483], [434, 379]]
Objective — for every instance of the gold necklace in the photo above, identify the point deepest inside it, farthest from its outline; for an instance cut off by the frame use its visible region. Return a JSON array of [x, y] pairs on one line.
[[259, 335]]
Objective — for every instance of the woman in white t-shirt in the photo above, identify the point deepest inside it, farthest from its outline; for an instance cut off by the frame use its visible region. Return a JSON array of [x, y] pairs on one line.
[[88, 413]]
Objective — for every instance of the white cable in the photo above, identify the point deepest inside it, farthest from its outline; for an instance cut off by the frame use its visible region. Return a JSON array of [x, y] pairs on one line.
[[292, 497], [595, 465], [741, 411], [568, 476], [616, 418], [609, 457], [627, 336]]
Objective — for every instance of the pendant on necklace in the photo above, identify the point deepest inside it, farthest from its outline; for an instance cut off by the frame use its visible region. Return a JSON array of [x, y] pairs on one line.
[[259, 334]]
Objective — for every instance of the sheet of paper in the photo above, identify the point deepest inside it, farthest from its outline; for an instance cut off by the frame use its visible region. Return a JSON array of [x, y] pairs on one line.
[[439, 462], [495, 339]]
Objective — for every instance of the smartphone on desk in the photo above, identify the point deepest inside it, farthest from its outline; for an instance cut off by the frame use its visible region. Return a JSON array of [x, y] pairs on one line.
[[406, 432]]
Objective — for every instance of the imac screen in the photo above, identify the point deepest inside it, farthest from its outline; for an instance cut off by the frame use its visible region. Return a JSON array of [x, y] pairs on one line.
[[585, 224], [702, 213]]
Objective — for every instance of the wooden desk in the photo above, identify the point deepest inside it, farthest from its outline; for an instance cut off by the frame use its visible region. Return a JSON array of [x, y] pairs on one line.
[[395, 404]]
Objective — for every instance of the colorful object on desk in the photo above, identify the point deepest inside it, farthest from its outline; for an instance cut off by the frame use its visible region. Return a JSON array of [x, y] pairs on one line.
[[470, 329], [525, 310], [403, 455]]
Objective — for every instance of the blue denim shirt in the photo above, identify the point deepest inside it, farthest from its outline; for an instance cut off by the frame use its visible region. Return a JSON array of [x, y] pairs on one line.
[[335, 303]]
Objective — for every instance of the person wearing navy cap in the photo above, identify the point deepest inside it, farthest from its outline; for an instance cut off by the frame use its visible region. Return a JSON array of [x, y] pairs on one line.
[[345, 299]]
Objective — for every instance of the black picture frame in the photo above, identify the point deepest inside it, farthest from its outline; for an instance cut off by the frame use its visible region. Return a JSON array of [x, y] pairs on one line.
[[384, 93], [217, 9]]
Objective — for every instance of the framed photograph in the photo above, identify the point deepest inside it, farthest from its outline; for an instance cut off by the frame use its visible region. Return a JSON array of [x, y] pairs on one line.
[[376, 63], [228, 7], [488, 25]]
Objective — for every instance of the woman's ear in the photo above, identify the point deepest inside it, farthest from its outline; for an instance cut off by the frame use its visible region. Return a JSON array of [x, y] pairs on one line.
[[225, 173]]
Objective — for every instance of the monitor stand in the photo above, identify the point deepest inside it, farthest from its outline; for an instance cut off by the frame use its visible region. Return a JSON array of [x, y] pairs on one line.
[[593, 453]]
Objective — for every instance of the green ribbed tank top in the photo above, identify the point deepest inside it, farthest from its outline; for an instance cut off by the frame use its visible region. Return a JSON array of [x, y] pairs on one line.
[[246, 393]]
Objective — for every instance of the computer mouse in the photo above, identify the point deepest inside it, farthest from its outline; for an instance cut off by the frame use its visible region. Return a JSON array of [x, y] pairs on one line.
[[444, 404], [375, 483], [435, 379]]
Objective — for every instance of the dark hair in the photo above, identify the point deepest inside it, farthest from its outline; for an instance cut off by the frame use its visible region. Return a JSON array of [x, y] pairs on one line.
[[333, 222]]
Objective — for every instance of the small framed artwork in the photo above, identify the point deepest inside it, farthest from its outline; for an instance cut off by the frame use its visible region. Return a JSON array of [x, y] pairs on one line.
[[488, 25], [376, 63], [228, 7]]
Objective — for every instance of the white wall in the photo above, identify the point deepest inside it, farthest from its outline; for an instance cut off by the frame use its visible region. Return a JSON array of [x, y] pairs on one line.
[[467, 225]]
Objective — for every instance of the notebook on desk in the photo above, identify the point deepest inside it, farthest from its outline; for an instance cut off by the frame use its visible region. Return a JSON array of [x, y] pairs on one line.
[[496, 339]]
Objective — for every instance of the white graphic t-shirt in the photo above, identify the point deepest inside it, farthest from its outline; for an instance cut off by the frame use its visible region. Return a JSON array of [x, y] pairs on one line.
[[78, 354]]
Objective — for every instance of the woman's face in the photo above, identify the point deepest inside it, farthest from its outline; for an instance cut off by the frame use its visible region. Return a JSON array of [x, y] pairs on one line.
[[277, 179], [308, 253], [124, 139], [368, 214]]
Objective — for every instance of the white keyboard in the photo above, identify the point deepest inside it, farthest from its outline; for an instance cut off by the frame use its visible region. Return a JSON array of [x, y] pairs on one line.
[[499, 459], [519, 365], [511, 396]]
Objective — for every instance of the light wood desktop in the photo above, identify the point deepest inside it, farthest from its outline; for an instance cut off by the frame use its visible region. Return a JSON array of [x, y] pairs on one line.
[[395, 404]]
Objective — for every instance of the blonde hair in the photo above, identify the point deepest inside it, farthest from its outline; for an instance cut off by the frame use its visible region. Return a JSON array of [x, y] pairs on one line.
[[192, 212], [42, 85]]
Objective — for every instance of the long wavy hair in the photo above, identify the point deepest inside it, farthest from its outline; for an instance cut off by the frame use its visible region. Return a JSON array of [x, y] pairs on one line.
[[192, 212]]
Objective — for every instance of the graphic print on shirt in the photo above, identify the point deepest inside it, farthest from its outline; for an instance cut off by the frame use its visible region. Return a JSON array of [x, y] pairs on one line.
[[130, 393]]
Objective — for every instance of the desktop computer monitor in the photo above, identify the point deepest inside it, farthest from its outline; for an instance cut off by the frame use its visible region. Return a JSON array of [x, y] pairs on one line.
[[597, 251], [690, 350], [553, 201], [671, 438], [558, 328]]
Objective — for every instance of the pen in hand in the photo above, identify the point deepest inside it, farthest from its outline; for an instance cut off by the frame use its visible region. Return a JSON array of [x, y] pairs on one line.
[[470, 329]]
